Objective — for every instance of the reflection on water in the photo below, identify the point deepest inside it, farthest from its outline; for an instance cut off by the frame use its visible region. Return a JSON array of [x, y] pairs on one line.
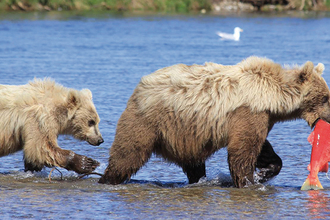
[[135, 199], [318, 205], [109, 54]]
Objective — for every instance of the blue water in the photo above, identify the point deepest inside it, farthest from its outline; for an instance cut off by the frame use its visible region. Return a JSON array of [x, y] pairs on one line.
[[109, 54]]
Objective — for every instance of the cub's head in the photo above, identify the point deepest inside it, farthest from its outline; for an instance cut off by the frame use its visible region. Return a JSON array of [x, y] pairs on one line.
[[83, 120], [316, 104]]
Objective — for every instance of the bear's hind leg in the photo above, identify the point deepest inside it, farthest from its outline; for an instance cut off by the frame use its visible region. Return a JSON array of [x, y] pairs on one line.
[[133, 146], [194, 172], [126, 159], [269, 163]]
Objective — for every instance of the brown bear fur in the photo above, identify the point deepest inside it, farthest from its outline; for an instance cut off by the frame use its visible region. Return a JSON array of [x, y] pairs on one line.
[[186, 113], [33, 115]]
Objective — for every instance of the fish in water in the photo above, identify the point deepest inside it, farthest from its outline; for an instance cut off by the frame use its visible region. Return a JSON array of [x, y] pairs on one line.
[[235, 36], [320, 156]]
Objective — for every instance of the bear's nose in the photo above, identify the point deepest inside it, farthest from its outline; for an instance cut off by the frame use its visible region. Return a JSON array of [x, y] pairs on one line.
[[100, 141]]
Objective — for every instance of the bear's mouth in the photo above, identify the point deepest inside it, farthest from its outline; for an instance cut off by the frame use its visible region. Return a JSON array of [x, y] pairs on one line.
[[314, 123]]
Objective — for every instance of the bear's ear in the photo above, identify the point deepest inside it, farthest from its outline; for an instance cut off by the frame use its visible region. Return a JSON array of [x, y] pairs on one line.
[[306, 72], [72, 103], [87, 93], [319, 68]]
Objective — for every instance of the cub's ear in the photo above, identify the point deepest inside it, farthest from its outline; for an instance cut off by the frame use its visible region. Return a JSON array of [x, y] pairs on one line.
[[87, 92], [72, 103], [319, 68], [306, 71]]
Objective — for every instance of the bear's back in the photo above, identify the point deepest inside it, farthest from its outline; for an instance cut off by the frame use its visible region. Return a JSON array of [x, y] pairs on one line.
[[33, 93], [212, 90]]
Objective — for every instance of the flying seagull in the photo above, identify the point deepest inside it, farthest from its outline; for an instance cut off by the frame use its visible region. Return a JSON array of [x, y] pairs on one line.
[[235, 36]]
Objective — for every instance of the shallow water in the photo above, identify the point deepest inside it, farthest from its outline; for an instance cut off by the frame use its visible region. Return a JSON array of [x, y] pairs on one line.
[[109, 54]]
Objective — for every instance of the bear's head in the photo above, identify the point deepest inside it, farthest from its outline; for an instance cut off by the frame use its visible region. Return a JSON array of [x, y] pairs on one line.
[[83, 120], [315, 103]]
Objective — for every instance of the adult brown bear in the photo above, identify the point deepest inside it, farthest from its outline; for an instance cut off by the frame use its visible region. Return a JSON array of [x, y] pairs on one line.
[[186, 113]]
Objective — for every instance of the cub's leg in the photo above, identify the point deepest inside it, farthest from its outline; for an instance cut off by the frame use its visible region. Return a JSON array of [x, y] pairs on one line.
[[62, 158], [194, 172], [246, 134], [133, 145], [79, 163], [28, 166], [268, 162], [45, 152]]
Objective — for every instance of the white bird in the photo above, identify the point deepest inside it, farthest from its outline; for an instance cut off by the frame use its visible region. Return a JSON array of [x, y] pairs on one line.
[[235, 36]]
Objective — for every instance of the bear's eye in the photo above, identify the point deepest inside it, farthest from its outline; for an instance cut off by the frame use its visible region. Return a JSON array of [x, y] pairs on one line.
[[325, 99], [91, 123]]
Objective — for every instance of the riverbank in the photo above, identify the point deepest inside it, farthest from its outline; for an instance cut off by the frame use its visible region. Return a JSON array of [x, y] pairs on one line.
[[178, 6]]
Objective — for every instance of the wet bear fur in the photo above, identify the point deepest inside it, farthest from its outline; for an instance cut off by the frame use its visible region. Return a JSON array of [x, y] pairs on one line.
[[186, 113], [32, 116]]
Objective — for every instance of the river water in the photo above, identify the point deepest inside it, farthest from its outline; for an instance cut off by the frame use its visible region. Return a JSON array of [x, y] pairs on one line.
[[109, 54]]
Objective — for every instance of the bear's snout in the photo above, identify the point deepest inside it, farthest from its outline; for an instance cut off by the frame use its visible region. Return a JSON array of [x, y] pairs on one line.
[[100, 141], [95, 141]]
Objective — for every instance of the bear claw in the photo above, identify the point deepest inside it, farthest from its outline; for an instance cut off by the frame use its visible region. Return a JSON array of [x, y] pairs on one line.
[[82, 164], [89, 165]]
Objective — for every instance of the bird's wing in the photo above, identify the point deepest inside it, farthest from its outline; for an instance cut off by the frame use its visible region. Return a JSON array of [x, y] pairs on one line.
[[225, 35]]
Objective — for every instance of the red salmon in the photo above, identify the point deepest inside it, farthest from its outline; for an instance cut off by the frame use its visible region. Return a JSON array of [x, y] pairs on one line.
[[320, 156]]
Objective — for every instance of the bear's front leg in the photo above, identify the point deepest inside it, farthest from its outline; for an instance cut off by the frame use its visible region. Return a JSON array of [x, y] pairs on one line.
[[28, 166], [40, 153], [79, 163], [246, 134], [268, 162], [194, 172]]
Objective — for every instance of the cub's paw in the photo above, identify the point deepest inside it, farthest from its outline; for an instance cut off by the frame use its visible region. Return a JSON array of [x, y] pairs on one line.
[[82, 164], [28, 166]]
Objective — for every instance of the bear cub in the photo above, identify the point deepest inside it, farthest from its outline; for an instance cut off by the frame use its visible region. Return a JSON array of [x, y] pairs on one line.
[[32, 116]]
